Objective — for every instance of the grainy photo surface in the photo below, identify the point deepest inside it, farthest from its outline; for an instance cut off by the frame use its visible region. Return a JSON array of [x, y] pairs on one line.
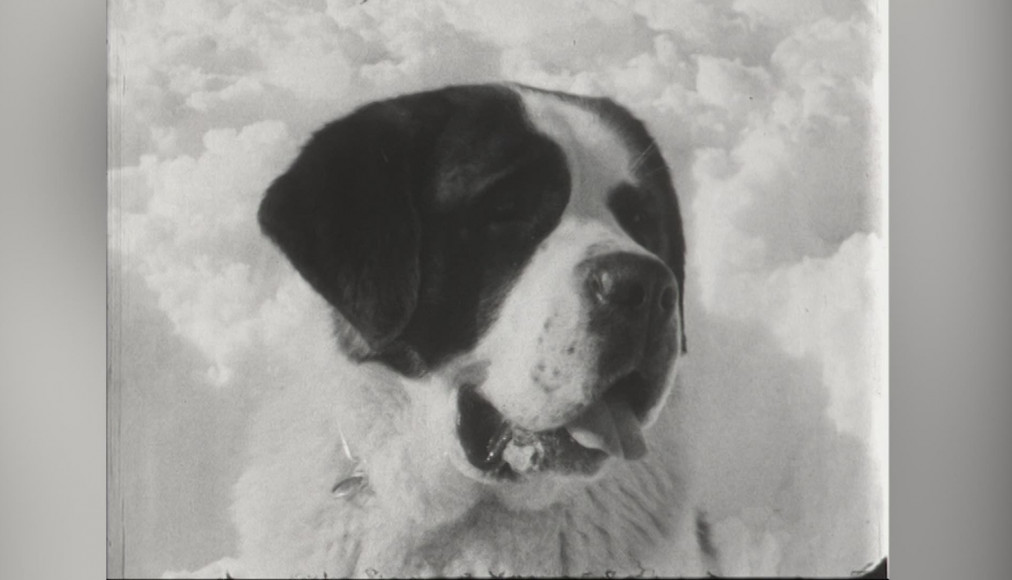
[[426, 288]]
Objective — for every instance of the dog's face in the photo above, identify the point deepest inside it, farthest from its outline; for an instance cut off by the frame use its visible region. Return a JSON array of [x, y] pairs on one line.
[[524, 246]]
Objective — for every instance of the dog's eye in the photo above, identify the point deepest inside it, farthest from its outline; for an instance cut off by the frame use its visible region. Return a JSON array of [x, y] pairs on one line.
[[632, 210]]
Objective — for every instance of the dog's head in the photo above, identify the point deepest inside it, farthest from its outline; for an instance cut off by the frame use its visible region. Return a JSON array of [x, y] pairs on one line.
[[524, 245]]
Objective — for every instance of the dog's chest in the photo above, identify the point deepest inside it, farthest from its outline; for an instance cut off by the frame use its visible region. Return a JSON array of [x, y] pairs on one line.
[[488, 544], [494, 542]]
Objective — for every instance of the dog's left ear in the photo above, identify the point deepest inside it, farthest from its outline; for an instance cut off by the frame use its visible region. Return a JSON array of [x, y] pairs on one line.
[[345, 212], [676, 261]]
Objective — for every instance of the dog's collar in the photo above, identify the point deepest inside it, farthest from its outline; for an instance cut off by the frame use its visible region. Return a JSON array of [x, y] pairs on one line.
[[354, 483]]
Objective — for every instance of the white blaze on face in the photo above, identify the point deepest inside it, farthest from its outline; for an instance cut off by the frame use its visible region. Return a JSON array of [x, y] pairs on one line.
[[597, 156], [543, 359]]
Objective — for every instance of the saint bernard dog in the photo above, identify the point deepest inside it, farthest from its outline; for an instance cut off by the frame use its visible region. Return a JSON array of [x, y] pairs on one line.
[[505, 270]]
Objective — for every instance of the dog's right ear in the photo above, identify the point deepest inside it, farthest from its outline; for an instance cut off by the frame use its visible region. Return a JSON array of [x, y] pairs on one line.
[[345, 212]]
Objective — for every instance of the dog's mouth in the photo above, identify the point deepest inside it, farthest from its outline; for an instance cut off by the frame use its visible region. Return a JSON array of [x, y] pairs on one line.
[[502, 450]]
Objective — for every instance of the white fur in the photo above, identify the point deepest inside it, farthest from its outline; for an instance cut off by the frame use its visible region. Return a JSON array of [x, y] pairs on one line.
[[543, 325]]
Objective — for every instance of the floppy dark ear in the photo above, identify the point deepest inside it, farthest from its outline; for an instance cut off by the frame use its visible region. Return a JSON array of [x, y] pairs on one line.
[[677, 252], [345, 213], [676, 256]]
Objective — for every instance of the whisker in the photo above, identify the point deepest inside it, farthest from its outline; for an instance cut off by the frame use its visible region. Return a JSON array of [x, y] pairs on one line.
[[642, 156]]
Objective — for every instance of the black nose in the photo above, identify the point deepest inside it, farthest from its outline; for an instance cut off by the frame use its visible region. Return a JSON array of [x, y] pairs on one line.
[[628, 284]]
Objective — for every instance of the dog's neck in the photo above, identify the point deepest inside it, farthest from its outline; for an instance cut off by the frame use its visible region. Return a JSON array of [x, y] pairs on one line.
[[624, 522], [415, 514]]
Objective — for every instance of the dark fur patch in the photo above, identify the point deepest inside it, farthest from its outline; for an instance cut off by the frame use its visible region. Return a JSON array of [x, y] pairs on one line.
[[413, 216]]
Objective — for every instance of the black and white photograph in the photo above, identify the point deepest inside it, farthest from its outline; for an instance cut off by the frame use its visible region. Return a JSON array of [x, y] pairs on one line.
[[451, 288]]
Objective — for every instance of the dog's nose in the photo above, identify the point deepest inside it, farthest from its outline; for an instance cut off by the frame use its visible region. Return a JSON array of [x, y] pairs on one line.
[[631, 285]]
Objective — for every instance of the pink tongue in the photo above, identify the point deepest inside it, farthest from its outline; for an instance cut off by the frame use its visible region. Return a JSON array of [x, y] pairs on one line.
[[611, 426]]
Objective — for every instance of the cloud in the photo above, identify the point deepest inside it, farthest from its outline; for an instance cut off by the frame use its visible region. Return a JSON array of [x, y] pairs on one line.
[[763, 108], [186, 225], [785, 222], [730, 85]]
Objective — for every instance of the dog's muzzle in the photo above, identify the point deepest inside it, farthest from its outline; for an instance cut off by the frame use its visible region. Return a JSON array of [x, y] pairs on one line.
[[629, 300]]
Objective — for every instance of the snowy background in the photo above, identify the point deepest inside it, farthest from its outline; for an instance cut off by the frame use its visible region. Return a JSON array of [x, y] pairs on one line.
[[768, 111]]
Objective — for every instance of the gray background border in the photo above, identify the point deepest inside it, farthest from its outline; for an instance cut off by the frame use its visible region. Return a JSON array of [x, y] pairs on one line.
[[951, 289]]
